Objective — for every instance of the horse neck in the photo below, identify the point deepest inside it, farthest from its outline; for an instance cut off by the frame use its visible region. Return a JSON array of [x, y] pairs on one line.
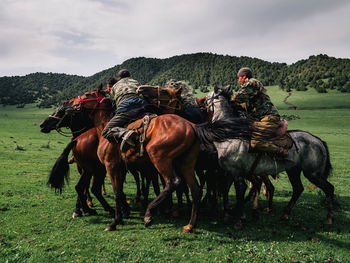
[[101, 118], [222, 109]]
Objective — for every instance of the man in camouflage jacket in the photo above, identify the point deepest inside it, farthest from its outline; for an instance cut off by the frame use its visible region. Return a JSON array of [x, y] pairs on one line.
[[128, 105], [191, 111], [255, 104]]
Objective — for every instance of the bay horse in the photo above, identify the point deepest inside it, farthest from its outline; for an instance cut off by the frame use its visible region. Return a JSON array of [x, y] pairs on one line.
[[170, 144], [309, 154]]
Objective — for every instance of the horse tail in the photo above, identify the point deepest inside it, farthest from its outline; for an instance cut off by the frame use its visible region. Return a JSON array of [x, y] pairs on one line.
[[328, 168], [60, 170]]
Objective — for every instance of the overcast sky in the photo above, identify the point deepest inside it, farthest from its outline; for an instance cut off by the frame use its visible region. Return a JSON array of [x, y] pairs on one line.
[[84, 37]]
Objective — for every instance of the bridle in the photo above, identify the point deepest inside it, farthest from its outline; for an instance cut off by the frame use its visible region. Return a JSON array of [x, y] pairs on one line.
[[70, 110]]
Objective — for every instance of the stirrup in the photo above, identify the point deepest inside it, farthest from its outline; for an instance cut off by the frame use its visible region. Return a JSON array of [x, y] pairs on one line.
[[130, 138]]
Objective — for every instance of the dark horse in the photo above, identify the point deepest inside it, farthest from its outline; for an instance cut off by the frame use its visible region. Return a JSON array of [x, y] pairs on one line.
[[170, 145], [309, 154]]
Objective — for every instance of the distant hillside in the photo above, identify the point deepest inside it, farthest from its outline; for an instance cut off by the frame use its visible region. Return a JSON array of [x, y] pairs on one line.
[[200, 70]]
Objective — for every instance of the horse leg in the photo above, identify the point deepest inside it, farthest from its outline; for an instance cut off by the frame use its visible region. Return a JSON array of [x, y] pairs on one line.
[[240, 187], [78, 209], [172, 180], [146, 186], [256, 187], [103, 188], [294, 178], [328, 189], [97, 191], [227, 185], [117, 178], [83, 182], [88, 196], [138, 189], [270, 189], [188, 162]]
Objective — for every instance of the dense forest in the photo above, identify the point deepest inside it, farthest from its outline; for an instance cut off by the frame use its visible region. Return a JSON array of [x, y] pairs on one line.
[[200, 70]]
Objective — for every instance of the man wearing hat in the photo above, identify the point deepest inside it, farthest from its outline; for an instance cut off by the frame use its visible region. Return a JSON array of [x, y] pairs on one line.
[[128, 105], [253, 102]]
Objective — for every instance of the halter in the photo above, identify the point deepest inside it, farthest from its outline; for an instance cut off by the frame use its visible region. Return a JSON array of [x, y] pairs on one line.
[[210, 102]]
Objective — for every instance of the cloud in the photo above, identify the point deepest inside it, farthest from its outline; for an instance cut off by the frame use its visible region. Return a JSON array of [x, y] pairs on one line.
[[86, 36]]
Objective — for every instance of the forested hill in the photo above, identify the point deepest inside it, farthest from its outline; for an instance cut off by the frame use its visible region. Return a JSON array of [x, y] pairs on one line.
[[200, 70]]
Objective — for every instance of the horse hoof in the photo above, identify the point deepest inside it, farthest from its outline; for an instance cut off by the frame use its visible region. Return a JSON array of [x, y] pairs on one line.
[[284, 217], [148, 221], [267, 210], [188, 229], [238, 225], [110, 228], [77, 214]]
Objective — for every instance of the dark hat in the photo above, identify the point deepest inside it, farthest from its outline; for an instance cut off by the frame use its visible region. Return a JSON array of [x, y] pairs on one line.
[[245, 72], [124, 73]]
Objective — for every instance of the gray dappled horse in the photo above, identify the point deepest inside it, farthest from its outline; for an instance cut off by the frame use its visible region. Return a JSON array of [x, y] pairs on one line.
[[308, 154]]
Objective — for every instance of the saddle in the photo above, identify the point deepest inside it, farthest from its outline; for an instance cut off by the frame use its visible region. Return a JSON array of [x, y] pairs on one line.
[[282, 140], [140, 127]]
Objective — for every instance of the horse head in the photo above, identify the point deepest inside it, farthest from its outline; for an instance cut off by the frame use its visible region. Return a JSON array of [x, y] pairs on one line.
[[167, 100], [217, 102], [57, 119], [77, 113]]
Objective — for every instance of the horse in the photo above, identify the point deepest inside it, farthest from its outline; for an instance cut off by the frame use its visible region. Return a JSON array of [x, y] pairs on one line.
[[308, 154], [170, 144], [84, 148]]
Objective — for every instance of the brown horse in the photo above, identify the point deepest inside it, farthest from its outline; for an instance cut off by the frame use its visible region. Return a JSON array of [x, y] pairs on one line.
[[170, 143], [84, 148]]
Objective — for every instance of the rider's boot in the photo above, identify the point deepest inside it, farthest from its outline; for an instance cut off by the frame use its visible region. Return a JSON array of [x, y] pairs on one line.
[[122, 134]]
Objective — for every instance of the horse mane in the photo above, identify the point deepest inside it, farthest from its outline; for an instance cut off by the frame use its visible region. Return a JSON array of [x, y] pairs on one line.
[[222, 130]]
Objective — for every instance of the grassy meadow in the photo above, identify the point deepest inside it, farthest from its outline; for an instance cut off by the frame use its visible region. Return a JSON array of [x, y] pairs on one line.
[[36, 223]]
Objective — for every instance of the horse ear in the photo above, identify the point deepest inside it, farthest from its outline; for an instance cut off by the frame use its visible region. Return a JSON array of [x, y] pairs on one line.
[[100, 87], [229, 88], [216, 88]]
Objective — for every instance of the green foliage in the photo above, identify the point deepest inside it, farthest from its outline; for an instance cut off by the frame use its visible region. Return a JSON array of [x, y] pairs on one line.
[[200, 70]]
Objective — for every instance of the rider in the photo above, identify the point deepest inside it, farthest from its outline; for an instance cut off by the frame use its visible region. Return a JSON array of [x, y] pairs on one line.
[[253, 102], [128, 105], [191, 111]]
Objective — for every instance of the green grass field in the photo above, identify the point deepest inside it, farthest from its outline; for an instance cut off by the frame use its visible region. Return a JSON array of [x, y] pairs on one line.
[[36, 223]]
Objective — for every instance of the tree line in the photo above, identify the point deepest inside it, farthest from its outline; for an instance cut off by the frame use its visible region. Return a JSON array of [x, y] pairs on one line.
[[200, 70]]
